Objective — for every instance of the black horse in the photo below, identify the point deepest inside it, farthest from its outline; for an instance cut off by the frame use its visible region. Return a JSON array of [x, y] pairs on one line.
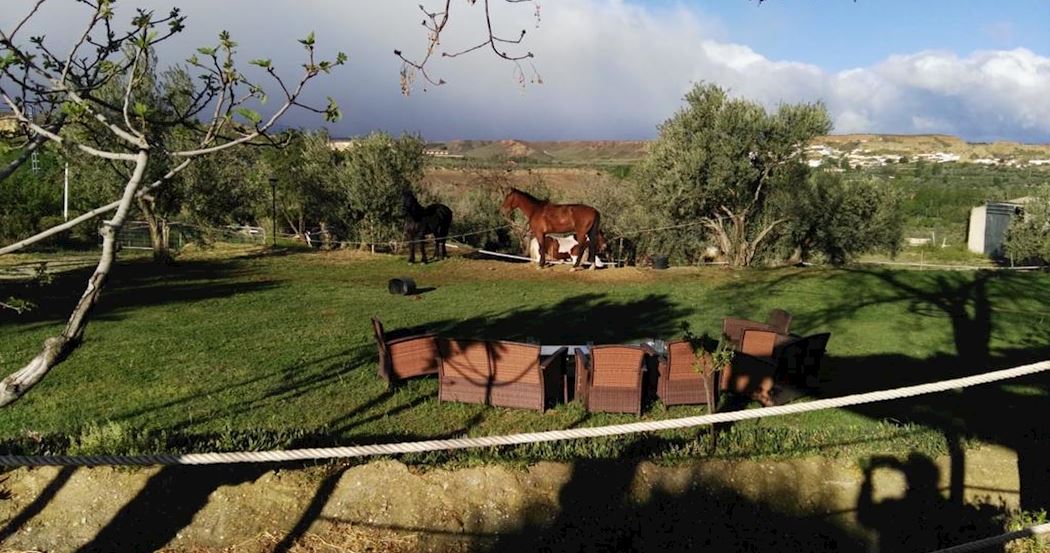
[[435, 219]]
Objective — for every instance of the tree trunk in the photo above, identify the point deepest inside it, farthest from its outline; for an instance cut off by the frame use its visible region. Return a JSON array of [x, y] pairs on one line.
[[59, 347], [158, 231], [739, 250], [326, 236]]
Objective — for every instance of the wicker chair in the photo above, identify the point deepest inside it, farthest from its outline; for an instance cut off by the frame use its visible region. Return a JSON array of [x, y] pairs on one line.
[[520, 379], [779, 320], [465, 372], [679, 382], [754, 367], [611, 378], [800, 359], [503, 374], [733, 329], [406, 353]]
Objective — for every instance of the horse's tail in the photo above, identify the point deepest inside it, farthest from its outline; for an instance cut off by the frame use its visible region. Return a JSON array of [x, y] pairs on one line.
[[592, 236]]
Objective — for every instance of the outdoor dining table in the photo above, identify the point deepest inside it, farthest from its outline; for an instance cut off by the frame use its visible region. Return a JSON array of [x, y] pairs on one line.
[[551, 350], [569, 374]]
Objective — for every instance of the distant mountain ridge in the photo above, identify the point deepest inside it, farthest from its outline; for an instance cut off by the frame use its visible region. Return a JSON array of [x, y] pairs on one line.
[[863, 149]]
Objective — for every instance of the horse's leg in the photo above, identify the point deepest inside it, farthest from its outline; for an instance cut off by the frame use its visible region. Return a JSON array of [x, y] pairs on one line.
[[592, 239], [423, 246], [408, 240], [541, 238], [581, 236]]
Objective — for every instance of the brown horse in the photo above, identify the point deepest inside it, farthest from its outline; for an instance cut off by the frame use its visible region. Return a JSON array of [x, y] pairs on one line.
[[545, 217]]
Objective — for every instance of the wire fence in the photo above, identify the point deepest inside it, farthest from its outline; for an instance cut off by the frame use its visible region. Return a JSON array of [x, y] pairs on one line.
[[136, 235]]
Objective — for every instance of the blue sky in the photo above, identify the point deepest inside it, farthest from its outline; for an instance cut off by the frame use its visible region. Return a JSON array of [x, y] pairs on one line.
[[615, 69], [841, 34]]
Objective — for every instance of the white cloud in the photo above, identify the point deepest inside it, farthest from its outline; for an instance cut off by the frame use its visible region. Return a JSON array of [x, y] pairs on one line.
[[611, 69]]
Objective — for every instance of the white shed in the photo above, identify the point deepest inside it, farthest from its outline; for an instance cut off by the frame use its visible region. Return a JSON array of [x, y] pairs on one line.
[[988, 226]]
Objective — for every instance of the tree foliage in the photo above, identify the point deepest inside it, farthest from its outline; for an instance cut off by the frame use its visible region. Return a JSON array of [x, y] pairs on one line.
[[718, 158], [1028, 239], [375, 170], [839, 218]]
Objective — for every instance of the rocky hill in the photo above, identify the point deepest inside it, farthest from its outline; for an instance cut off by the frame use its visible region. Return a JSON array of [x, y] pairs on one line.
[[858, 149]]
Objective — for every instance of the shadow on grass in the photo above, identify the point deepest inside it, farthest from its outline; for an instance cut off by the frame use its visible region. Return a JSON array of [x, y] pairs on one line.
[[130, 285], [577, 319], [599, 511], [996, 320]]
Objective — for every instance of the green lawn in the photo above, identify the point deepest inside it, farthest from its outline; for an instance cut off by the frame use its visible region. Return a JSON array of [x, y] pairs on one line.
[[258, 351]]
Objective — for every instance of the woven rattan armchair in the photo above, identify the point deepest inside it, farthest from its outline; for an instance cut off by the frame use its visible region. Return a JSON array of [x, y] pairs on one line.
[[503, 374], [779, 320], [405, 353], [800, 359], [521, 379], [465, 371], [733, 329], [754, 367], [609, 380], [680, 383]]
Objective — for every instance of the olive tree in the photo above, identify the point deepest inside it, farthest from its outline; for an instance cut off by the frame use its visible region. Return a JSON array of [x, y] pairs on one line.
[[839, 218], [1028, 239], [716, 161], [375, 170]]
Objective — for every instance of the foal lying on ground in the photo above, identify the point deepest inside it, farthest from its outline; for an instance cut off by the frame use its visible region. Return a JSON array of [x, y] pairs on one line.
[[566, 248]]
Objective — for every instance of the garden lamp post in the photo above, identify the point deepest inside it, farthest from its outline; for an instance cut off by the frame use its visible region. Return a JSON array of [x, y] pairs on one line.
[[273, 207]]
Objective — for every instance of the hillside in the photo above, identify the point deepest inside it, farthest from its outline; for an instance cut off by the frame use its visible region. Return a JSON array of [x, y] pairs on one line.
[[566, 151], [862, 149]]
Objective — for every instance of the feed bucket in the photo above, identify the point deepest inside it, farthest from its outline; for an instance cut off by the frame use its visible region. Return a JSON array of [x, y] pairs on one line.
[[401, 286]]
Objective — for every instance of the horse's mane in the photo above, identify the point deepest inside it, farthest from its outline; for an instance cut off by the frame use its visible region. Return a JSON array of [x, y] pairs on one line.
[[410, 204], [529, 196]]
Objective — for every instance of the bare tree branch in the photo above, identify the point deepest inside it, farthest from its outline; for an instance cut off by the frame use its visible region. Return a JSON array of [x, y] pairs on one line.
[[33, 145], [438, 20], [58, 138]]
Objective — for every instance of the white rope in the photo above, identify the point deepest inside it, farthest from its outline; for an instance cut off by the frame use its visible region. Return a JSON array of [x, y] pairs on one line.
[[518, 439], [997, 540]]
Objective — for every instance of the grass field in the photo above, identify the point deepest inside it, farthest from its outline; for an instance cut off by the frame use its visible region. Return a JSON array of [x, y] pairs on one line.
[[239, 349]]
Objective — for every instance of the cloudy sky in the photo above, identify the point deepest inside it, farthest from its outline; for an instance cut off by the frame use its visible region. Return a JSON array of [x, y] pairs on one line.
[[614, 69]]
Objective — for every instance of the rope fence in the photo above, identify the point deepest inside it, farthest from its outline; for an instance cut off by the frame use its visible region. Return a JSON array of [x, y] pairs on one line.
[[558, 435], [978, 545], [347, 452]]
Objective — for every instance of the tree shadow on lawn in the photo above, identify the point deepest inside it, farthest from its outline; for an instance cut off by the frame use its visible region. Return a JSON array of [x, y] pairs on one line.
[[132, 285], [995, 322], [577, 319]]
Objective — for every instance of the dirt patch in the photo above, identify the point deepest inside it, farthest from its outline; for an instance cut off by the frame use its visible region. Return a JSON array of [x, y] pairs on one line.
[[386, 506]]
